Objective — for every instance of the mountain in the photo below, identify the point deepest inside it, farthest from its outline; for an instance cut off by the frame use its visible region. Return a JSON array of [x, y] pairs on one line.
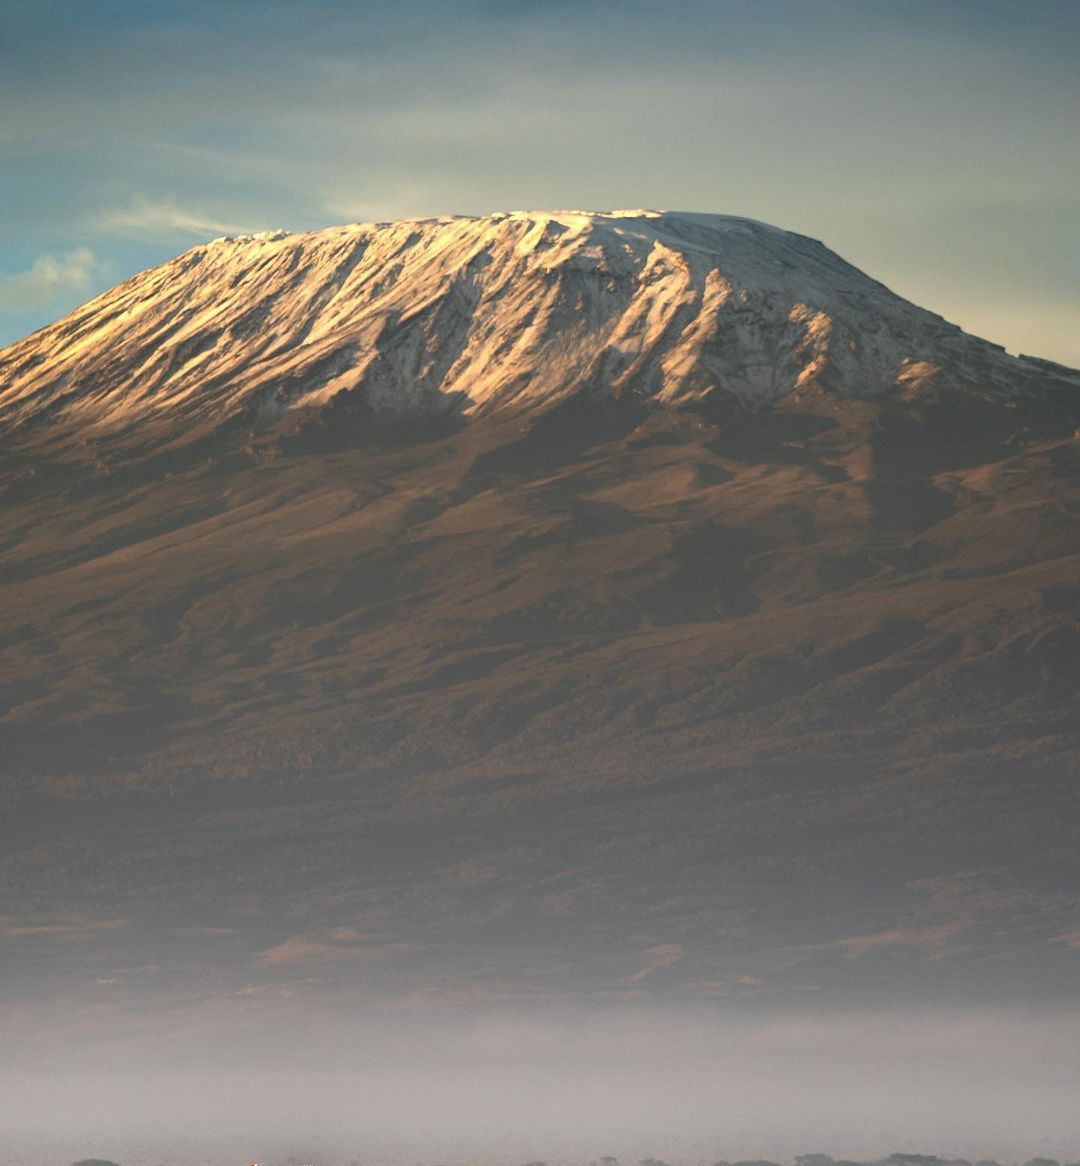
[[479, 314], [538, 605]]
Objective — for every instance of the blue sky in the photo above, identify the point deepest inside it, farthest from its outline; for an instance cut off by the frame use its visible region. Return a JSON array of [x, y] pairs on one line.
[[933, 144]]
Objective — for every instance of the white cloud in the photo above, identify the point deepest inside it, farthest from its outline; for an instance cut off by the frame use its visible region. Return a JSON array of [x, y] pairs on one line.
[[51, 278], [147, 218]]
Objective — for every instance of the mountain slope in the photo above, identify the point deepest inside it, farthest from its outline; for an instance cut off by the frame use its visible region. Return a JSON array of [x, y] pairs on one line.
[[611, 664]]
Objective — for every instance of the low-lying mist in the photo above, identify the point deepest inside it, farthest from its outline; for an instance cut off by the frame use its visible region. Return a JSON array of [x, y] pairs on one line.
[[454, 1085]]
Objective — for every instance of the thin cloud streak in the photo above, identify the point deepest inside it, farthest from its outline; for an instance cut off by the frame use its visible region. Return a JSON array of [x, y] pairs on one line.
[[299, 950], [933, 939], [149, 219], [660, 957], [76, 928]]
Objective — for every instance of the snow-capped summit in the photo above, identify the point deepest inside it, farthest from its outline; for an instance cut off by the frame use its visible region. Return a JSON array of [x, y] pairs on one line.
[[476, 313]]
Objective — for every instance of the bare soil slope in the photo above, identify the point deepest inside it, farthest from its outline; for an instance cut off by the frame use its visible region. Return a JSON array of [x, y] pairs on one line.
[[604, 680]]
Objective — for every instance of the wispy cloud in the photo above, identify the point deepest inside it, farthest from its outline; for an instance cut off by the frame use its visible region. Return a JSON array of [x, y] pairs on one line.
[[152, 219], [50, 279], [74, 928], [659, 957], [343, 945], [933, 939]]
